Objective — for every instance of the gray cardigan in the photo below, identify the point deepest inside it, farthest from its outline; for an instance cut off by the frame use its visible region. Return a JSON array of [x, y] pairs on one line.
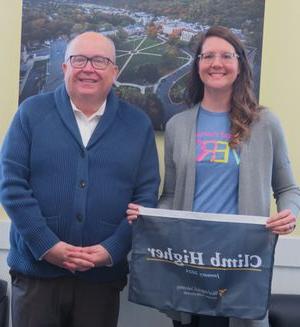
[[264, 165]]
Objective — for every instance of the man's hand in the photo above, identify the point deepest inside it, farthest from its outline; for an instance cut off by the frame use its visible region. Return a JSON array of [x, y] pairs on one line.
[[68, 256], [98, 255]]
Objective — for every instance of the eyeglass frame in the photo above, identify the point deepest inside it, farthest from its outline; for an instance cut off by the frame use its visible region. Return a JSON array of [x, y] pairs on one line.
[[90, 59], [215, 55]]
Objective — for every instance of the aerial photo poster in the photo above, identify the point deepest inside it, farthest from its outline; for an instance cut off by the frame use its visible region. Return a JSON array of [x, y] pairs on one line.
[[155, 44]]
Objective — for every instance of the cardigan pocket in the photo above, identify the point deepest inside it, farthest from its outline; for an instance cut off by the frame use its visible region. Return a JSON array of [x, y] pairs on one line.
[[101, 230]]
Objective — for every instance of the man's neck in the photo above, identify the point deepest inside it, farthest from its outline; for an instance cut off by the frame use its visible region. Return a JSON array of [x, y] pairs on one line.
[[88, 108]]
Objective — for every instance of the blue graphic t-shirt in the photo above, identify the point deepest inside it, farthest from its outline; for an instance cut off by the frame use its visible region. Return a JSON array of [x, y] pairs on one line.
[[217, 165]]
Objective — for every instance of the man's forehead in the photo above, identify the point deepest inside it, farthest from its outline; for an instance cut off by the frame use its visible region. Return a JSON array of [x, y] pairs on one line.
[[91, 44]]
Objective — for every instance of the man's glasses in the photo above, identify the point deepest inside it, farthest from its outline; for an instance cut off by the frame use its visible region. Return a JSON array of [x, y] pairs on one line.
[[98, 62], [225, 57]]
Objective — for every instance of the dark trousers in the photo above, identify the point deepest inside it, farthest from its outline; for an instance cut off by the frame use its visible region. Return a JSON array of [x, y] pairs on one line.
[[204, 321], [3, 304], [64, 302]]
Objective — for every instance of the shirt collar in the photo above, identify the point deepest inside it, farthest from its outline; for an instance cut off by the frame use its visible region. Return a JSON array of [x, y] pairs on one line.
[[97, 114]]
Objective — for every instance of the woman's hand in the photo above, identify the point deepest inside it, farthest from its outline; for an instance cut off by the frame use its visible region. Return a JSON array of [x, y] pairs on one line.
[[283, 222], [133, 212]]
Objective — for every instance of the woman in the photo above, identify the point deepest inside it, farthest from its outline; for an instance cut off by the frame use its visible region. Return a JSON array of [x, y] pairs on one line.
[[226, 153]]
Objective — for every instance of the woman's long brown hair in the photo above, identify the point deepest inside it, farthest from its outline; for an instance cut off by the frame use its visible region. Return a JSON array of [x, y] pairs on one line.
[[244, 107]]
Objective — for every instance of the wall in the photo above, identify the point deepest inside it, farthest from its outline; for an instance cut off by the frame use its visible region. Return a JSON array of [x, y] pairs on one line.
[[10, 28], [280, 89], [280, 85], [280, 69], [286, 278]]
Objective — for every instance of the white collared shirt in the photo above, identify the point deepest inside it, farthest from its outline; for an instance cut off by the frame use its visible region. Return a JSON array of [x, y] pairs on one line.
[[86, 127], [86, 124]]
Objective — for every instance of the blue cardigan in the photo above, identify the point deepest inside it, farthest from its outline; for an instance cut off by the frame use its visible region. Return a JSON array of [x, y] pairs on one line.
[[55, 189]]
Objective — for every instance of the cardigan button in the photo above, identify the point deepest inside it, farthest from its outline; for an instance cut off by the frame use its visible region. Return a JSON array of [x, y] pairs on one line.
[[79, 217], [82, 184]]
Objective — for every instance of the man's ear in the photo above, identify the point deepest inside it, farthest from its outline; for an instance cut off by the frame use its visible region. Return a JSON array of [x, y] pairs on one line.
[[64, 67], [116, 72]]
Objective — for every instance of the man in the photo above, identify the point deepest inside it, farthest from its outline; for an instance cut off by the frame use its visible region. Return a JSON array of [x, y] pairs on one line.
[[71, 162]]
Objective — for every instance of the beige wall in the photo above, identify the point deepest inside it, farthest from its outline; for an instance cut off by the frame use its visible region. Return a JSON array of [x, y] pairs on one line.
[[280, 87], [10, 28]]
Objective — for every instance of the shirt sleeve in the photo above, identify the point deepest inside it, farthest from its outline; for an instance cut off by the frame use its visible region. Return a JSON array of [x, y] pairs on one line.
[[286, 192]]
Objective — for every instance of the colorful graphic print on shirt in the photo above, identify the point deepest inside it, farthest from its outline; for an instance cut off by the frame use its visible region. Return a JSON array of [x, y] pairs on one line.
[[214, 147]]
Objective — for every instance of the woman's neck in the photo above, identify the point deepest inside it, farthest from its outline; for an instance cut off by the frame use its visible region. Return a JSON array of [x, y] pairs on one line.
[[216, 101]]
